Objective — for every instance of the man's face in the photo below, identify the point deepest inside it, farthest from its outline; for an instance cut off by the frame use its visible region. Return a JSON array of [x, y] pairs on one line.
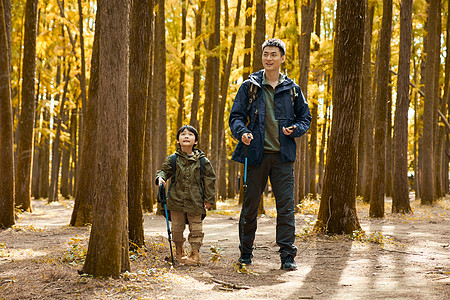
[[272, 58]]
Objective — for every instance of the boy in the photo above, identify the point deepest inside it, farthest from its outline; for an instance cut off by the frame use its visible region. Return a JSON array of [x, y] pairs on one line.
[[188, 195]]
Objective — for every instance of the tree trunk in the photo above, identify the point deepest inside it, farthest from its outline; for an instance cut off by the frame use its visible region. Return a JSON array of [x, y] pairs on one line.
[[260, 33], [400, 195], [6, 132], [44, 157], [427, 190], [137, 103], [149, 164], [108, 253], [84, 197], [26, 120], [389, 150], [337, 212], [159, 112], [196, 65], [182, 84], [247, 70], [56, 149], [148, 184], [368, 105], [65, 161], [82, 78], [378, 183], [224, 95]]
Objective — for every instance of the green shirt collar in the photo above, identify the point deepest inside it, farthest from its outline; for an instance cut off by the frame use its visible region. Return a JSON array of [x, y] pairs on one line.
[[281, 79]]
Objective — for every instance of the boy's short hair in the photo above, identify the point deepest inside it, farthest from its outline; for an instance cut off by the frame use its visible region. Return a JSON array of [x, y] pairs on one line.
[[189, 128], [275, 43]]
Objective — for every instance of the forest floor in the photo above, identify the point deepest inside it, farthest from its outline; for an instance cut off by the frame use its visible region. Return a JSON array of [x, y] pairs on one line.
[[398, 257]]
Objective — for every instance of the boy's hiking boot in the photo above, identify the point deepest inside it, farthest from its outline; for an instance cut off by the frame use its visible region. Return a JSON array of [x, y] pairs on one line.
[[288, 263], [246, 259], [179, 252], [193, 259]]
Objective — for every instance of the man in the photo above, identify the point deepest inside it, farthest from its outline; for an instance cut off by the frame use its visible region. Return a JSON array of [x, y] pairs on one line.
[[269, 111]]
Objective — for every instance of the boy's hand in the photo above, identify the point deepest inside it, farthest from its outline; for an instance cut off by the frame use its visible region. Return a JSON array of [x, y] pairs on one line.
[[207, 205], [160, 180]]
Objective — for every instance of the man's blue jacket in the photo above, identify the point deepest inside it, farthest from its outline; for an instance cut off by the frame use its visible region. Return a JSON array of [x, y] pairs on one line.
[[287, 112]]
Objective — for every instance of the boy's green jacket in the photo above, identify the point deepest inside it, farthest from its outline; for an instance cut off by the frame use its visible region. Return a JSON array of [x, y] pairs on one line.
[[186, 193]]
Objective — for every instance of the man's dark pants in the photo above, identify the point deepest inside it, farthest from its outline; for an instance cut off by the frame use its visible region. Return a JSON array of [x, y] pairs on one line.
[[282, 179]]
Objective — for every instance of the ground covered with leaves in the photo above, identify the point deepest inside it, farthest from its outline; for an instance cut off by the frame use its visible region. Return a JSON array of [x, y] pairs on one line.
[[398, 257]]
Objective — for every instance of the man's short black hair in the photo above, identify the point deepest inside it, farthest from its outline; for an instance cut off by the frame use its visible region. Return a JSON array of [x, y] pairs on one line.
[[275, 43]]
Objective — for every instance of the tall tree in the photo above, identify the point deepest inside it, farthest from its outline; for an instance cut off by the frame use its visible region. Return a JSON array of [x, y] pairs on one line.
[[26, 120], [248, 38], [400, 196], [428, 185], [108, 243], [307, 23], [137, 92], [367, 106], [149, 171], [379, 176], [82, 78], [260, 34], [159, 101], [6, 133], [84, 197], [182, 82], [196, 64], [337, 212]]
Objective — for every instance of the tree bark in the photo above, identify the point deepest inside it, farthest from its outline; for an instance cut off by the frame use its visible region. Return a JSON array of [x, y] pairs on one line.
[[108, 253], [56, 149], [147, 197], [159, 101], [378, 183], [400, 196], [247, 70], [260, 33], [6, 132], [84, 197], [428, 184], [182, 83], [368, 105], [26, 120], [196, 65], [137, 104], [337, 212]]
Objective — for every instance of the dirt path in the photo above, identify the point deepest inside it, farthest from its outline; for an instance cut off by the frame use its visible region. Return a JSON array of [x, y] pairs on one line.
[[400, 257]]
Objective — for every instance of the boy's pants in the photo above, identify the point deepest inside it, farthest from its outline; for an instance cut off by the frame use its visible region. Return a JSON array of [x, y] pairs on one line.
[[196, 234], [282, 179]]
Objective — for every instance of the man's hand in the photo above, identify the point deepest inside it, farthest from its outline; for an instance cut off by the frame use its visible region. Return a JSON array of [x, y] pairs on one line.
[[288, 130], [247, 138], [160, 180]]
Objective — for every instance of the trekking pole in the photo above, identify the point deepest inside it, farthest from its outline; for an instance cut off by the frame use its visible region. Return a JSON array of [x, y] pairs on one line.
[[244, 185], [163, 201]]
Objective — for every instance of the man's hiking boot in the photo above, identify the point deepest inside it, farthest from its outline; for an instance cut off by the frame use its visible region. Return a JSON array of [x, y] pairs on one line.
[[288, 263], [246, 259], [193, 259]]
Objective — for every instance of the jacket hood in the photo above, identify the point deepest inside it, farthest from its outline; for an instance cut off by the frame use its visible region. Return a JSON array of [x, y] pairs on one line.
[[257, 77], [197, 154]]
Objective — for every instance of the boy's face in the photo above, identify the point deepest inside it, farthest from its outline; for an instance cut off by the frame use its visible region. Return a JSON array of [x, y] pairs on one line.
[[187, 139], [272, 58]]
